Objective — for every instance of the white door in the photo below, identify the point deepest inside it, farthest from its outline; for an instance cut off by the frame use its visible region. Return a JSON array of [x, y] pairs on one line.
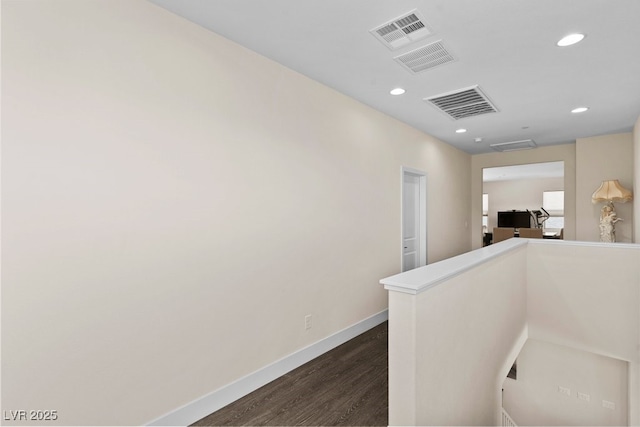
[[413, 220]]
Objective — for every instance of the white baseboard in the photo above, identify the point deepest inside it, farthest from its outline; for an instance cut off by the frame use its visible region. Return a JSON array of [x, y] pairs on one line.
[[211, 402]]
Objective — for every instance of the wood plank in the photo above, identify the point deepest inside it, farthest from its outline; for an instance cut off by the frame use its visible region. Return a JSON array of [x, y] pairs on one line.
[[345, 386]]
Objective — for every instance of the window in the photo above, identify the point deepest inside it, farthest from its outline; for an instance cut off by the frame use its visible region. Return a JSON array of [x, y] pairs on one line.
[[485, 212], [553, 202]]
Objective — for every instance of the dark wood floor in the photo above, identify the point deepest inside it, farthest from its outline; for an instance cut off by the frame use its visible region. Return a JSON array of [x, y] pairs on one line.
[[347, 386]]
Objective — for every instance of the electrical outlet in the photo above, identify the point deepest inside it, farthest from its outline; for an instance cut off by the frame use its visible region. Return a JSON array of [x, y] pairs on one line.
[[608, 405], [584, 396], [307, 321], [564, 390]]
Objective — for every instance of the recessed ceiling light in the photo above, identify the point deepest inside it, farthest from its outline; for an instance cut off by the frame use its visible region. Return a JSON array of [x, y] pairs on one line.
[[461, 131], [580, 110], [570, 39], [397, 91]]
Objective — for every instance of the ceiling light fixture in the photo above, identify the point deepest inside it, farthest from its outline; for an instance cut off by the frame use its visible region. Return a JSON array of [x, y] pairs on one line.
[[397, 91], [461, 130], [570, 39], [579, 110]]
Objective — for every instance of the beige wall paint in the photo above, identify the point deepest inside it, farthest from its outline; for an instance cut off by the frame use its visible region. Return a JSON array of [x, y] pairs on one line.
[[636, 181], [451, 348], [518, 194], [585, 296], [174, 205], [533, 398], [564, 153], [601, 158]]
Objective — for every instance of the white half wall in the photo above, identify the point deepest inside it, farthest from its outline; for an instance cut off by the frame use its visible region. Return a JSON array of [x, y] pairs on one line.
[[486, 306], [462, 321], [455, 328], [174, 205]]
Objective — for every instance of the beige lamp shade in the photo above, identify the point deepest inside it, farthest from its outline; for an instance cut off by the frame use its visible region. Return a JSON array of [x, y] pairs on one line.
[[611, 191]]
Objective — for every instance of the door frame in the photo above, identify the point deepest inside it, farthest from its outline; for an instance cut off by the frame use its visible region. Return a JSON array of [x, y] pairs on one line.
[[422, 222]]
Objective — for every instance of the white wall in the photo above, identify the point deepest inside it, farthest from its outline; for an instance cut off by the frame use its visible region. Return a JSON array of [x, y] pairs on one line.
[[565, 153], [534, 397], [518, 194], [174, 205], [602, 158]]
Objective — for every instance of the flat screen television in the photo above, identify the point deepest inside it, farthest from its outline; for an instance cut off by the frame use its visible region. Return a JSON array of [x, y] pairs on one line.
[[514, 219]]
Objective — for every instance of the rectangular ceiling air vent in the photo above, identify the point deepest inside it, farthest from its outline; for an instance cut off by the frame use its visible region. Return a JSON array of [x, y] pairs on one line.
[[425, 57], [463, 103], [402, 30], [525, 144]]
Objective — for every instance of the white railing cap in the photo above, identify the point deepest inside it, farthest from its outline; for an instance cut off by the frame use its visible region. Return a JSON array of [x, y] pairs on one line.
[[422, 278]]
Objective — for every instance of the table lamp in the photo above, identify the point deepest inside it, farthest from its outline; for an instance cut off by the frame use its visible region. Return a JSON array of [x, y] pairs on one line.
[[609, 192]]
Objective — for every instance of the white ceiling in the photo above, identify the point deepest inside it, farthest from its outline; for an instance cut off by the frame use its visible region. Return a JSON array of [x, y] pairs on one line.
[[507, 47]]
